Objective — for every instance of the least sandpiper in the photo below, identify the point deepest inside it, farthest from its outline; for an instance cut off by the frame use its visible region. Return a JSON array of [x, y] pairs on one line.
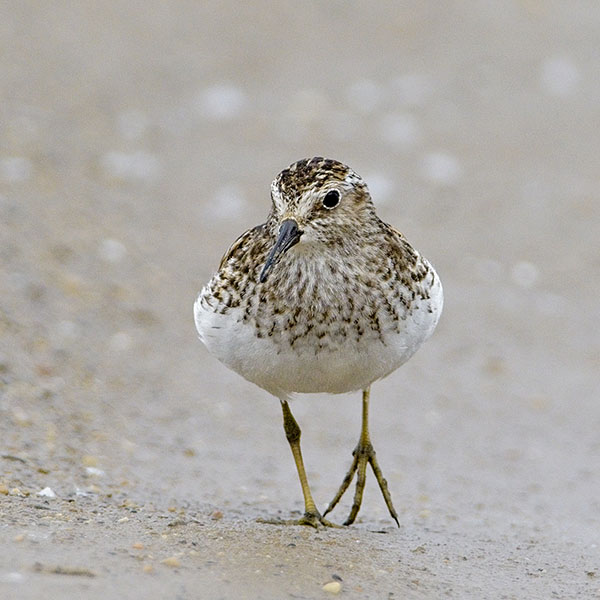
[[323, 297]]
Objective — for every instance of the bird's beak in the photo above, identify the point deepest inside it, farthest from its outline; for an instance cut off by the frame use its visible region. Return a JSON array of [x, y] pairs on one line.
[[289, 235]]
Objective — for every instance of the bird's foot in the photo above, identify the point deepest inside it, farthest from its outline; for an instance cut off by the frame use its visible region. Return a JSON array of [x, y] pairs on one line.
[[363, 454], [310, 518]]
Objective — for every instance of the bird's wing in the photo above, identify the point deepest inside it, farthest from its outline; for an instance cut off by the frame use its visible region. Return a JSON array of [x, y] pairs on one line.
[[396, 232], [405, 257], [239, 244]]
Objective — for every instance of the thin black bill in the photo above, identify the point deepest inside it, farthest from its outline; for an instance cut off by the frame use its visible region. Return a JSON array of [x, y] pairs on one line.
[[289, 235]]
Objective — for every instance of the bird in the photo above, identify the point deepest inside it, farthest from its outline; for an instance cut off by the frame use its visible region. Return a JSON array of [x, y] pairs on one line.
[[324, 297]]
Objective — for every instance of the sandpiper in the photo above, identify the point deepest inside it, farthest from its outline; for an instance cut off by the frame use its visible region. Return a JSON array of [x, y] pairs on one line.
[[322, 297]]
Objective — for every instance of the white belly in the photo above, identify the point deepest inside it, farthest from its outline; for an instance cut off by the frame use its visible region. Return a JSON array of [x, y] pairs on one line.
[[340, 365]]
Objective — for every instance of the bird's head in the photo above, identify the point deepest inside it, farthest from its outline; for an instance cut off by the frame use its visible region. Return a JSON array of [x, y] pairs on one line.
[[316, 201]]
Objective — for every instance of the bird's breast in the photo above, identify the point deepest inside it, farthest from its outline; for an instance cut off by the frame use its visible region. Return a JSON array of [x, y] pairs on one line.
[[319, 326]]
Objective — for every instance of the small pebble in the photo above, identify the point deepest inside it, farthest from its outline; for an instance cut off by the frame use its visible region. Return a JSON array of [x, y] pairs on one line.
[[216, 515], [19, 538], [123, 520], [47, 492], [172, 561], [333, 587], [89, 460], [138, 546], [94, 471], [148, 569]]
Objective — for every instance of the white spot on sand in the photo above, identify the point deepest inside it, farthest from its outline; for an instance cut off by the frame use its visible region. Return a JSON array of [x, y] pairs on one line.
[[364, 95], [11, 577], [15, 169], [112, 251], [441, 169], [524, 274], [133, 166], [221, 102], [95, 471], [228, 202], [120, 342], [47, 492], [400, 130], [559, 76]]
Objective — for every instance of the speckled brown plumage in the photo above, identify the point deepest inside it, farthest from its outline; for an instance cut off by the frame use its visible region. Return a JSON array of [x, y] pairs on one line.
[[292, 305]]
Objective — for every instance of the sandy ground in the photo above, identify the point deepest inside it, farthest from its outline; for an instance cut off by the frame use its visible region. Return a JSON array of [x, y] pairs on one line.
[[138, 140]]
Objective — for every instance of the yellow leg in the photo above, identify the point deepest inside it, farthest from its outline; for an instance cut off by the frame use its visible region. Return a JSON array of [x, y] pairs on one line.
[[363, 454], [311, 516]]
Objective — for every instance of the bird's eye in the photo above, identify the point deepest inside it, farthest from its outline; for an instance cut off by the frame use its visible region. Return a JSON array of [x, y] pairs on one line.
[[331, 199]]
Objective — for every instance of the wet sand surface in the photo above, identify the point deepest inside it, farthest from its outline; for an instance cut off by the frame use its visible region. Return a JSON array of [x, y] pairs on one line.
[[138, 140]]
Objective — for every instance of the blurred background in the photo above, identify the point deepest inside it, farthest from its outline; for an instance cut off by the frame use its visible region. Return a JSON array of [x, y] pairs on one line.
[[139, 139]]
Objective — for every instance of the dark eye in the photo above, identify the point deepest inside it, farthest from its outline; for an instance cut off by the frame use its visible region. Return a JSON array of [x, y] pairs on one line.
[[331, 199]]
